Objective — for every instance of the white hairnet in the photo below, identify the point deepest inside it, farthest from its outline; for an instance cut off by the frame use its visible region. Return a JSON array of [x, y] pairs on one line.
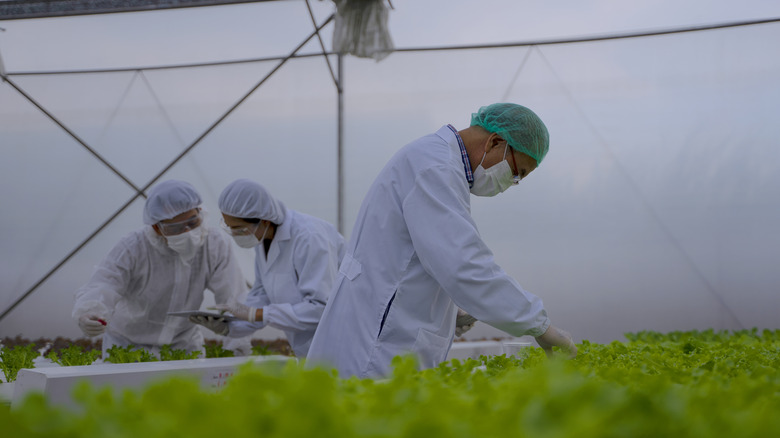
[[168, 200], [244, 198]]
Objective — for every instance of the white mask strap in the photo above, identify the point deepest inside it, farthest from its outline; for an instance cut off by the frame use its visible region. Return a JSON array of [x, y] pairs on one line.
[[485, 154], [483, 159]]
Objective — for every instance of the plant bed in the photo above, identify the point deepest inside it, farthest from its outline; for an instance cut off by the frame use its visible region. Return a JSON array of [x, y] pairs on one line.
[[19, 353], [692, 384]]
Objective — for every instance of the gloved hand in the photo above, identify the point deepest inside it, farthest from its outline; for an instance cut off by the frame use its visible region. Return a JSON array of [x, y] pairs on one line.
[[555, 337], [92, 325], [239, 310], [216, 325], [239, 346], [463, 322]]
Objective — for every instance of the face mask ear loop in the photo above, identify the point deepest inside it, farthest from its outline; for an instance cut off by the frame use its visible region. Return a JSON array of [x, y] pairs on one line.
[[483, 159], [265, 231], [485, 155]]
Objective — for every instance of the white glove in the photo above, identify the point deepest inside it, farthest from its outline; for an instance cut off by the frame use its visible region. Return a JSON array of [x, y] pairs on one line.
[[240, 311], [92, 325], [239, 346], [216, 325], [463, 323], [555, 337]]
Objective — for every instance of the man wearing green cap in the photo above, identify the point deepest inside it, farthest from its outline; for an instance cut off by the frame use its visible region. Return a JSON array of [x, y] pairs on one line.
[[415, 255]]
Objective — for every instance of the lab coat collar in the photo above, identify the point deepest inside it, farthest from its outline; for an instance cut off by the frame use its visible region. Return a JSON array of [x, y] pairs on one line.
[[283, 230], [282, 234], [451, 138], [447, 135]]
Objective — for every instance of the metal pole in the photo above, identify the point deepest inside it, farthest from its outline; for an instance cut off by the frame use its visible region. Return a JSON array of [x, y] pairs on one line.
[[140, 192], [340, 146], [2, 68]]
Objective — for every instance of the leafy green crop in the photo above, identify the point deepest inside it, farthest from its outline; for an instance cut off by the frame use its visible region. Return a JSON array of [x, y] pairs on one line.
[[129, 354], [261, 350], [132, 354], [216, 350], [685, 384], [15, 358], [168, 353], [73, 355]]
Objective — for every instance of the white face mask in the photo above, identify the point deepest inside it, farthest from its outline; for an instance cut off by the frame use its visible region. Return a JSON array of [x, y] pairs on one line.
[[249, 240], [494, 180], [187, 244]]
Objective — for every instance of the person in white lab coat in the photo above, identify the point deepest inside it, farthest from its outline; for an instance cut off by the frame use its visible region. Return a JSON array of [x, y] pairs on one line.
[[415, 255], [296, 265], [163, 267]]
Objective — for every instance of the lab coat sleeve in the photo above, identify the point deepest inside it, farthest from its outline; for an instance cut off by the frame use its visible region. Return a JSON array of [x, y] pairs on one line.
[[315, 261], [257, 298], [109, 282], [450, 249], [225, 278]]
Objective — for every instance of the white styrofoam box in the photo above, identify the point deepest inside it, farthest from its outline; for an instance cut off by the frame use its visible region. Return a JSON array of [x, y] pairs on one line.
[[57, 383]]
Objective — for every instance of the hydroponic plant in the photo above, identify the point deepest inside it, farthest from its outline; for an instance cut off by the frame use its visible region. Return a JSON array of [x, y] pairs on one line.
[[15, 358], [129, 354], [686, 384], [73, 355], [168, 353], [216, 350]]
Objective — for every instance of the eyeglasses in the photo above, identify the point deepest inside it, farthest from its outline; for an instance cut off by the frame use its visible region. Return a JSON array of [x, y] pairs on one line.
[[238, 231], [516, 178], [174, 228]]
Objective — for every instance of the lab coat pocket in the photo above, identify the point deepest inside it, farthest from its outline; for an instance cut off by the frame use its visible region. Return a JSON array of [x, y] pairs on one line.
[[430, 348], [350, 267]]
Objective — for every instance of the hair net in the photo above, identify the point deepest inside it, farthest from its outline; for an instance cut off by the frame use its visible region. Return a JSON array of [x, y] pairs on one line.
[[168, 200], [244, 198], [516, 124]]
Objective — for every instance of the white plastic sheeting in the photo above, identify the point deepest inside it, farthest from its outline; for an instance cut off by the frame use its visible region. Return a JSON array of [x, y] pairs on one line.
[[656, 207]]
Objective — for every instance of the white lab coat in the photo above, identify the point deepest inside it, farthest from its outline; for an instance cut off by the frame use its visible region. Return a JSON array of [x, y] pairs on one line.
[[292, 285], [415, 253], [142, 279]]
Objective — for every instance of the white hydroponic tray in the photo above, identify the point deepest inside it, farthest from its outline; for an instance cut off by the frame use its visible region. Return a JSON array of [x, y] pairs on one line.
[[57, 383], [474, 349]]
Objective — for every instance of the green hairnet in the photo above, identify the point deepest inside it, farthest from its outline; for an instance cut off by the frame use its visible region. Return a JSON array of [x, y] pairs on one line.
[[516, 124]]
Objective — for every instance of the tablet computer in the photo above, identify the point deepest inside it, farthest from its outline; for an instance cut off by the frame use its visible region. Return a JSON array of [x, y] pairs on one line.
[[188, 313]]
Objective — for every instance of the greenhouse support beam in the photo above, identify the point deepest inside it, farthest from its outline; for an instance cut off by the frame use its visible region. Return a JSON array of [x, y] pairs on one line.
[[340, 147], [639, 194], [322, 44], [238, 103], [158, 176], [25, 9], [71, 134], [595, 38], [2, 67], [417, 49]]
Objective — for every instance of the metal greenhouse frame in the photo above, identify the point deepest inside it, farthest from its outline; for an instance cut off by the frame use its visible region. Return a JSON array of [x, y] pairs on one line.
[[35, 9]]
